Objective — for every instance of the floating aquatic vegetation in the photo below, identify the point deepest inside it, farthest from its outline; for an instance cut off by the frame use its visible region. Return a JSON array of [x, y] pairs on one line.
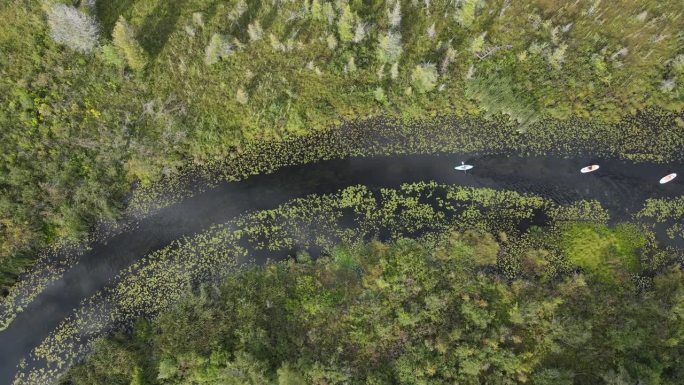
[[669, 212], [51, 265], [160, 279], [314, 222]]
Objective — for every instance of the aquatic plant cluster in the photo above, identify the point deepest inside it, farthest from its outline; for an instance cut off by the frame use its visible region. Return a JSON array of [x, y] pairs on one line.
[[322, 222], [51, 263], [669, 212], [386, 136], [99, 95], [519, 306]]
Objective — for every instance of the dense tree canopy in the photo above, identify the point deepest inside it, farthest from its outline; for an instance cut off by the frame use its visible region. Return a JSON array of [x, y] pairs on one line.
[[416, 312]]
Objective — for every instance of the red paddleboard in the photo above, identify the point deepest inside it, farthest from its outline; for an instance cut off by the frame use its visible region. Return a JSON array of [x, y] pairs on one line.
[[667, 178]]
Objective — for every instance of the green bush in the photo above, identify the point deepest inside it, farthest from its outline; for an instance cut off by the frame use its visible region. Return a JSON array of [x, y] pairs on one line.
[[424, 78], [604, 251]]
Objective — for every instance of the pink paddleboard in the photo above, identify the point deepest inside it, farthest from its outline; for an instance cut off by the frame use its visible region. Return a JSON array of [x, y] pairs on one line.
[[667, 178], [591, 168]]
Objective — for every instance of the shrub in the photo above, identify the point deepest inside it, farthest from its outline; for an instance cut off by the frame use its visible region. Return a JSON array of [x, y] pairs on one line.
[[124, 40], [72, 28], [394, 71], [606, 252], [218, 48], [465, 15], [431, 31], [678, 64], [316, 10], [424, 78], [331, 41], [477, 44], [111, 56], [241, 96], [379, 95], [557, 58], [389, 47], [351, 65], [254, 31]]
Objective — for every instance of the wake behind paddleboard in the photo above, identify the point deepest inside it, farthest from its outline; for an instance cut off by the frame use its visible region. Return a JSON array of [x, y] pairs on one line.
[[667, 178], [591, 168]]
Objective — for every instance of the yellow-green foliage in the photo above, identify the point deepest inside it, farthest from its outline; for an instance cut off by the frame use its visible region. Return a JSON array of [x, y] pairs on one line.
[[465, 14], [124, 39], [344, 25], [424, 78], [602, 250]]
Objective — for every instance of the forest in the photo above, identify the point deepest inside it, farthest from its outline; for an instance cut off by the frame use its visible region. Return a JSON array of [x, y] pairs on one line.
[[100, 97], [462, 307], [216, 192]]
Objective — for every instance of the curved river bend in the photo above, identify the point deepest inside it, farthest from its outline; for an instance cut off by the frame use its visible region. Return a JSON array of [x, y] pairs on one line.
[[620, 186]]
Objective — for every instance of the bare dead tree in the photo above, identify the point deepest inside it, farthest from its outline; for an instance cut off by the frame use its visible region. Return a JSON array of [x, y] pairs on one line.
[[492, 50]]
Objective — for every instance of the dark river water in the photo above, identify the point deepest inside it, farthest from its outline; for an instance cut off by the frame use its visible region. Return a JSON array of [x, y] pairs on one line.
[[620, 186]]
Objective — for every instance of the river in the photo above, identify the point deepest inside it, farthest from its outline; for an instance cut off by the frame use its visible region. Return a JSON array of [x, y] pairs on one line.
[[620, 186]]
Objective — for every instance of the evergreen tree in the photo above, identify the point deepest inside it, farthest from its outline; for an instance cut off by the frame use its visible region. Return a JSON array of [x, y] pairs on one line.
[[124, 39], [344, 25], [316, 10]]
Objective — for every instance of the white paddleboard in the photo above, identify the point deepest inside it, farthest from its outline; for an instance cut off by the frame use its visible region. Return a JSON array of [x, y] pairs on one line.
[[667, 178], [591, 168], [463, 167]]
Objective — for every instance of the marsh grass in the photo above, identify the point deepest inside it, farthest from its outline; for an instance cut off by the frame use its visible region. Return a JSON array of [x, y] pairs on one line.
[[603, 250]]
